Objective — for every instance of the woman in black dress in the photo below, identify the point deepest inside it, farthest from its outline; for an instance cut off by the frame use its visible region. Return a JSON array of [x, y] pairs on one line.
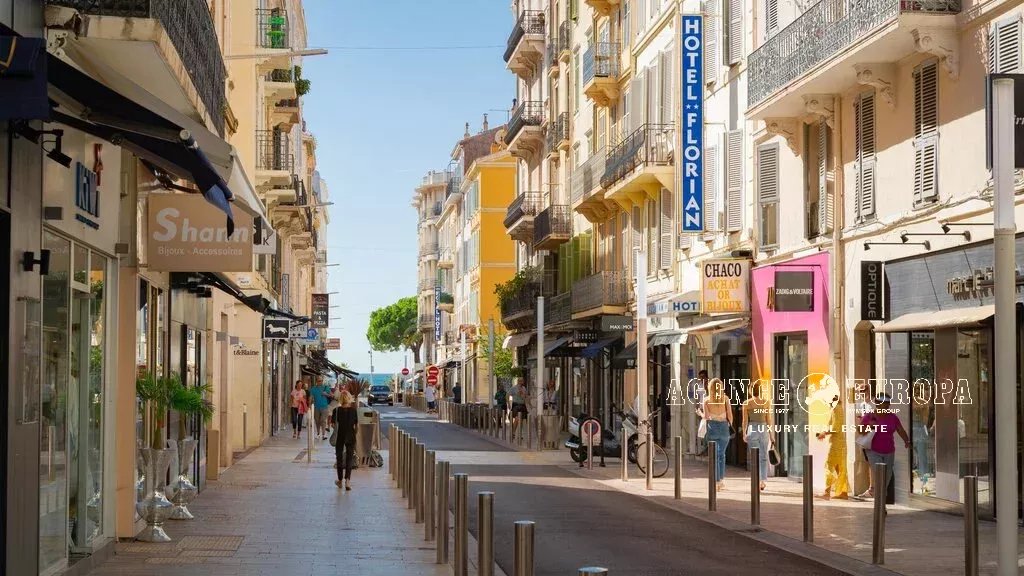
[[345, 418]]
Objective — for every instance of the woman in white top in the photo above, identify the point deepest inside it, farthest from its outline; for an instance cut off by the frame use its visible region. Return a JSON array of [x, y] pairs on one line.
[[718, 413]]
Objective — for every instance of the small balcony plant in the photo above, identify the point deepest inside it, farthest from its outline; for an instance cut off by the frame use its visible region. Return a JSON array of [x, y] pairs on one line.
[[446, 302]]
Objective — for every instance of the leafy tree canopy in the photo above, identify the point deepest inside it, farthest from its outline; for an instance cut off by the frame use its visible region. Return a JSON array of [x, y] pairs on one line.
[[393, 328]]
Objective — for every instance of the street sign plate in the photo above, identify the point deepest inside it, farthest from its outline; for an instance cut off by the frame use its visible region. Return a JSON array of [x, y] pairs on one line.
[[275, 328]]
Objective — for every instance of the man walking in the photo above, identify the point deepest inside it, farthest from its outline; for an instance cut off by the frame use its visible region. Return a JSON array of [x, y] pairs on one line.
[[321, 400]]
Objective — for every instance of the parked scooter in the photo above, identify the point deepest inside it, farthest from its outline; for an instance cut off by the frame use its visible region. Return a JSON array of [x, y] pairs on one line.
[[611, 444]]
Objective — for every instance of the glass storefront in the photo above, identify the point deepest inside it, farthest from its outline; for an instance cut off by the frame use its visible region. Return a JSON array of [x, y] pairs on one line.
[[75, 313], [791, 363], [922, 414]]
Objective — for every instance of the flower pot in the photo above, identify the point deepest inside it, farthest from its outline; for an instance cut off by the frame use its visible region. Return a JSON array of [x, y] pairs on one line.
[[155, 509], [184, 492]]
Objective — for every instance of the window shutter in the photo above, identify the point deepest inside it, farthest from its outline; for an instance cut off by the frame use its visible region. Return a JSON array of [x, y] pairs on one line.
[[638, 235], [711, 58], [685, 240], [734, 52], [665, 245], [602, 124], [864, 139], [586, 266], [666, 87], [624, 241], [627, 106], [636, 112], [653, 94], [768, 174], [734, 181], [652, 236], [711, 189], [771, 18], [926, 129], [1004, 46], [824, 193]]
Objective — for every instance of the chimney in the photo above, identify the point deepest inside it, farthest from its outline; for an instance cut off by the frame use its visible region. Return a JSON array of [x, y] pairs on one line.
[[484, 129], [467, 134]]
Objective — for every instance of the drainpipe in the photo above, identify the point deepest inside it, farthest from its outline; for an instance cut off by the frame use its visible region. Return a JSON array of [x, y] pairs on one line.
[[838, 267]]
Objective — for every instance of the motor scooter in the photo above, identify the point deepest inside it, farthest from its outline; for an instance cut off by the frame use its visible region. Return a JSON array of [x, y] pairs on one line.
[[611, 443]]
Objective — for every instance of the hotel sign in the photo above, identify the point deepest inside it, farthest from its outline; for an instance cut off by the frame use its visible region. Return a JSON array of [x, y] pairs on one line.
[[185, 235], [725, 286], [692, 127], [688, 303]]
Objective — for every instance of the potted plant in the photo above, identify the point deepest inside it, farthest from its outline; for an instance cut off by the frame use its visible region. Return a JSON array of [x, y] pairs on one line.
[[191, 404], [446, 303], [154, 507]]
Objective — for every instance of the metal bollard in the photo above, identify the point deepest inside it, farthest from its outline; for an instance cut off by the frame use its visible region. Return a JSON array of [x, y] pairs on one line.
[[754, 457], [528, 422], [523, 557], [429, 500], [461, 559], [712, 476], [441, 475], [417, 481], [400, 448], [592, 571], [485, 529], [649, 459], [391, 450], [410, 477], [970, 526], [625, 457], [878, 525], [808, 498], [677, 459]]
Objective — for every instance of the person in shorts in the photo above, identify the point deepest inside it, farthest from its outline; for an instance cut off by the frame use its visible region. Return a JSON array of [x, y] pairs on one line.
[[431, 394], [321, 400]]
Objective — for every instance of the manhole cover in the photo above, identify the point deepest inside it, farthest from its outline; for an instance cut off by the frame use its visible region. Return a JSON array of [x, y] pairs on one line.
[[230, 543]]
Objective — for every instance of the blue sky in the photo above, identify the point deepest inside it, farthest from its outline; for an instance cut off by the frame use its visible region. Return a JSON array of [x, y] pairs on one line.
[[383, 117]]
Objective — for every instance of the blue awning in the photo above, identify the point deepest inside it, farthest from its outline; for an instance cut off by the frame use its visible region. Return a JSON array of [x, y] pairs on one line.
[[550, 347], [594, 349]]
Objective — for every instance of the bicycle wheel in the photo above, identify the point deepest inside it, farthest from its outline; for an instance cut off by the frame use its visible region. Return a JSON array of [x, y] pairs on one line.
[[659, 459]]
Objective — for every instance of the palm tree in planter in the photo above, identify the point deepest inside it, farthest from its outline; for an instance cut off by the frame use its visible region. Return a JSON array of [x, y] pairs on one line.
[[191, 404], [154, 507]]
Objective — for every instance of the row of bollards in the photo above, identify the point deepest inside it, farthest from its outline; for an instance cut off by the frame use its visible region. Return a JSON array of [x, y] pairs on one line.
[[426, 482], [517, 430]]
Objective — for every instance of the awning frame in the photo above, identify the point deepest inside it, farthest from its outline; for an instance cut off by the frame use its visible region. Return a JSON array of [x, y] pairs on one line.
[[933, 319]]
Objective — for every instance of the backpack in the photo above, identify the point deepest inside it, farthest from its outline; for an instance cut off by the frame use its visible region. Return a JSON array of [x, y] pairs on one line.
[[501, 397]]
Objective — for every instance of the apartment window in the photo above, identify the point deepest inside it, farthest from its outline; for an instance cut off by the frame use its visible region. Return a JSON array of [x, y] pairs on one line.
[[636, 236], [1004, 46], [667, 114], [624, 27], [864, 150], [771, 18], [602, 127], [711, 57], [710, 189], [589, 137], [576, 88], [926, 132], [768, 194], [818, 177], [733, 29], [665, 230], [576, 154]]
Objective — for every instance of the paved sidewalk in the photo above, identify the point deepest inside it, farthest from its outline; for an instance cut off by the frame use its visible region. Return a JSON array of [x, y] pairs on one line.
[[272, 514]]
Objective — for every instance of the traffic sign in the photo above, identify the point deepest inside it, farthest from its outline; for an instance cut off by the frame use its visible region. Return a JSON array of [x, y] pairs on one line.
[[312, 334], [432, 373], [405, 371], [591, 431]]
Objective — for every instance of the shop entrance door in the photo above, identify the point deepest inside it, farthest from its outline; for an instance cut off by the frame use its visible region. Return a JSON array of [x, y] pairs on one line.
[[735, 368], [791, 367]]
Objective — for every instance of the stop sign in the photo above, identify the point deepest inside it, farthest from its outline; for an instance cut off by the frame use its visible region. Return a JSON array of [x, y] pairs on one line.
[[432, 372], [405, 371]]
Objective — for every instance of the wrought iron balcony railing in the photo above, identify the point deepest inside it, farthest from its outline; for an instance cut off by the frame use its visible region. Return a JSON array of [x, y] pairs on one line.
[[558, 309], [426, 320], [428, 249], [565, 37], [529, 22], [279, 75], [521, 303], [273, 151], [551, 49], [526, 204], [601, 60], [601, 289], [529, 113], [271, 28], [553, 223], [588, 176], [288, 103], [189, 26], [651, 144], [454, 185], [558, 131], [824, 30]]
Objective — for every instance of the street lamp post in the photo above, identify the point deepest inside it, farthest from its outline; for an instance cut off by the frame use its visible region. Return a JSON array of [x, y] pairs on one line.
[[641, 364]]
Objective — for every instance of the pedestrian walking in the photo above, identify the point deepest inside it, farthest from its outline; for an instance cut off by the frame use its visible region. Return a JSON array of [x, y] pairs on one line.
[[836, 481], [457, 393], [718, 413], [550, 396], [880, 428], [298, 400], [862, 407], [321, 400], [759, 427], [304, 408], [346, 419], [520, 396], [431, 395]]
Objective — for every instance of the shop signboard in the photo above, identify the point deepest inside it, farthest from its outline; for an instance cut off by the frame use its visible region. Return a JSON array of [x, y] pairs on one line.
[[681, 305], [725, 286], [275, 328], [298, 332], [583, 338], [184, 235], [794, 291], [333, 344], [617, 324], [321, 310], [692, 96], [872, 280], [1018, 118]]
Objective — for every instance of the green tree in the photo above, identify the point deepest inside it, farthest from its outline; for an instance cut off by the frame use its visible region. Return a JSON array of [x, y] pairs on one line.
[[504, 359], [393, 328]]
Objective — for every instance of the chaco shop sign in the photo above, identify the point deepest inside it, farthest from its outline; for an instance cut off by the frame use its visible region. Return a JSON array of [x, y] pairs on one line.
[[185, 235], [725, 286]]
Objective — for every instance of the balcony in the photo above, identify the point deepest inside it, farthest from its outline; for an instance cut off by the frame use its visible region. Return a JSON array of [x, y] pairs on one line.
[[558, 135], [524, 136], [173, 46], [587, 193], [429, 251], [640, 166], [601, 293], [828, 48], [551, 57], [283, 194], [558, 310], [285, 114], [426, 321], [603, 7], [519, 310], [601, 73], [275, 162], [445, 261], [565, 41], [525, 48], [453, 190], [519, 218], [279, 85], [273, 38], [552, 227], [427, 285]]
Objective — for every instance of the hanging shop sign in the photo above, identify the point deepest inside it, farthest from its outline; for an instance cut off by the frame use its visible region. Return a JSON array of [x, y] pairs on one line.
[[1018, 118], [333, 344], [725, 286], [617, 324], [299, 332], [692, 132], [794, 291], [681, 305], [321, 310], [437, 312], [275, 328], [583, 338], [872, 281], [185, 235]]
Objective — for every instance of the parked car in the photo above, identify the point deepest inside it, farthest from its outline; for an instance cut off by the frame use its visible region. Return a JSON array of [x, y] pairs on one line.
[[380, 394]]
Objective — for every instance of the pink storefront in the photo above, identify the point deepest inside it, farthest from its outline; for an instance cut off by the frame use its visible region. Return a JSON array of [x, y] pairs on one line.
[[790, 332]]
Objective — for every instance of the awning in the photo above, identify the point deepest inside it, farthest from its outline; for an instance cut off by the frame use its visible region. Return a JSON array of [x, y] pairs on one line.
[[714, 326], [938, 319], [517, 340], [594, 349], [550, 348], [666, 338], [257, 303], [449, 363]]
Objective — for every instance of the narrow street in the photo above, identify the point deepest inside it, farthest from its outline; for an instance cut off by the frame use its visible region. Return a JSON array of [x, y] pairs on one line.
[[582, 523]]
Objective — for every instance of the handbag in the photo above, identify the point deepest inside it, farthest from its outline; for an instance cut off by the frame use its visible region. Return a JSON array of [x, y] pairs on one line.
[[334, 436], [702, 428], [864, 440], [773, 456]]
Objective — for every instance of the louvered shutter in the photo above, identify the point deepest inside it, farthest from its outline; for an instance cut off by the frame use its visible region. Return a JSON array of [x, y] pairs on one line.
[[637, 235], [636, 112], [824, 192], [602, 123], [665, 241], [666, 87], [734, 181], [711, 58], [685, 240], [927, 131], [586, 267], [653, 94], [771, 18], [711, 189], [864, 139], [1004, 46], [734, 48], [627, 108], [652, 236], [768, 191], [625, 245]]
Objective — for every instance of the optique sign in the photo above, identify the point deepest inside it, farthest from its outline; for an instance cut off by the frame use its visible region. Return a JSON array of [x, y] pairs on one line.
[[692, 185]]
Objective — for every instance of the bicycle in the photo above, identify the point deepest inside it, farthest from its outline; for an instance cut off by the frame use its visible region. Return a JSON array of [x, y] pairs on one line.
[[659, 460]]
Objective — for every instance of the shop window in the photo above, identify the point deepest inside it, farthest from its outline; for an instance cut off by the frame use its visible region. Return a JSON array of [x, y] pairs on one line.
[[922, 414]]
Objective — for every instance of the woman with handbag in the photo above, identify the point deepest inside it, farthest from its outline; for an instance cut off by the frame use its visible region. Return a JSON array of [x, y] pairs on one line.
[[718, 414], [876, 434], [759, 428], [344, 438]]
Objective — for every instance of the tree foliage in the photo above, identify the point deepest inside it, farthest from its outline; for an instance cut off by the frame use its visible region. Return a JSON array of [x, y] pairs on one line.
[[393, 328], [504, 359]]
